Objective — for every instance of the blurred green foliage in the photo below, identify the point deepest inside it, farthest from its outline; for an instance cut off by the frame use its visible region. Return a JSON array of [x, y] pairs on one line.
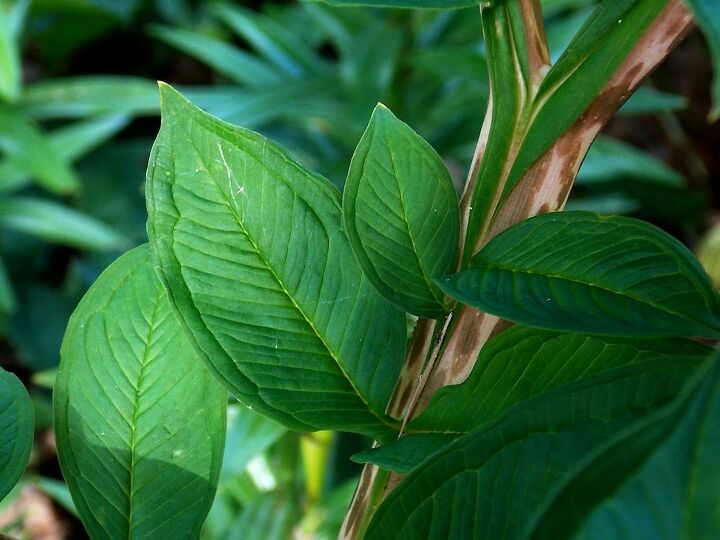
[[76, 126]]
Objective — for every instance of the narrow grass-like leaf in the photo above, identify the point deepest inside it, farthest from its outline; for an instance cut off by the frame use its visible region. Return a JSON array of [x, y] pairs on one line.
[[250, 247], [493, 482], [139, 420], [581, 272], [707, 17], [522, 362], [11, 17], [280, 47], [659, 480], [58, 224], [401, 214], [611, 160], [69, 142], [23, 142], [234, 63], [92, 95], [16, 431], [405, 454]]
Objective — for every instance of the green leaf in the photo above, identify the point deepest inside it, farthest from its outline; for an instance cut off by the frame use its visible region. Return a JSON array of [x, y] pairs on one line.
[[649, 100], [139, 421], [68, 142], [581, 272], [250, 247], [273, 41], [16, 431], [706, 16], [598, 49], [659, 480], [58, 224], [406, 453], [11, 20], [494, 481], [23, 142], [90, 95], [234, 63], [432, 4], [510, 92], [609, 159], [522, 362], [401, 214], [249, 434]]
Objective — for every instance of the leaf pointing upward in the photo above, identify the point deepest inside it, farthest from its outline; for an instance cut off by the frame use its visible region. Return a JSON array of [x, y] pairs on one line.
[[250, 248]]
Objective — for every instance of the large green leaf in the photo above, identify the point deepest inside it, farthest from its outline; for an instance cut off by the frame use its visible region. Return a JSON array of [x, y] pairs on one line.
[[250, 248], [140, 422], [434, 4], [659, 480], [401, 214], [707, 17], [578, 271], [523, 362], [493, 482], [16, 431]]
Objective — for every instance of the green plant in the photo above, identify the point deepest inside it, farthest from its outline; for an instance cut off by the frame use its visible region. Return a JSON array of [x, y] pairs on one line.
[[262, 279]]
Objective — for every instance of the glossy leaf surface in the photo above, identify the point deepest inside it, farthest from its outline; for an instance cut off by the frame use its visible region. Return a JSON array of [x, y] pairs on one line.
[[523, 362], [401, 214], [139, 420], [250, 247], [494, 481], [16, 430], [660, 480], [578, 271]]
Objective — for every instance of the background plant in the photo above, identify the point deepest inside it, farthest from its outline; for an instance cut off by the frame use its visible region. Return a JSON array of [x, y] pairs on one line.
[[81, 97]]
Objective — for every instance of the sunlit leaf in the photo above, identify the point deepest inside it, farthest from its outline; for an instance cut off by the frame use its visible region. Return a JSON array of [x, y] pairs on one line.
[[578, 271], [250, 248], [139, 421]]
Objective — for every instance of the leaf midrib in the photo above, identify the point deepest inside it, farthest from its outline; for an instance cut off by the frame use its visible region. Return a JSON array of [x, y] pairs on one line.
[[406, 221], [229, 203], [136, 409]]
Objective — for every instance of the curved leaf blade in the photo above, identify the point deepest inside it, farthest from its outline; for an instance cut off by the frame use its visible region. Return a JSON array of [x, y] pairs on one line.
[[494, 481], [259, 271], [16, 431], [660, 480], [581, 272], [401, 214], [140, 422], [523, 362]]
